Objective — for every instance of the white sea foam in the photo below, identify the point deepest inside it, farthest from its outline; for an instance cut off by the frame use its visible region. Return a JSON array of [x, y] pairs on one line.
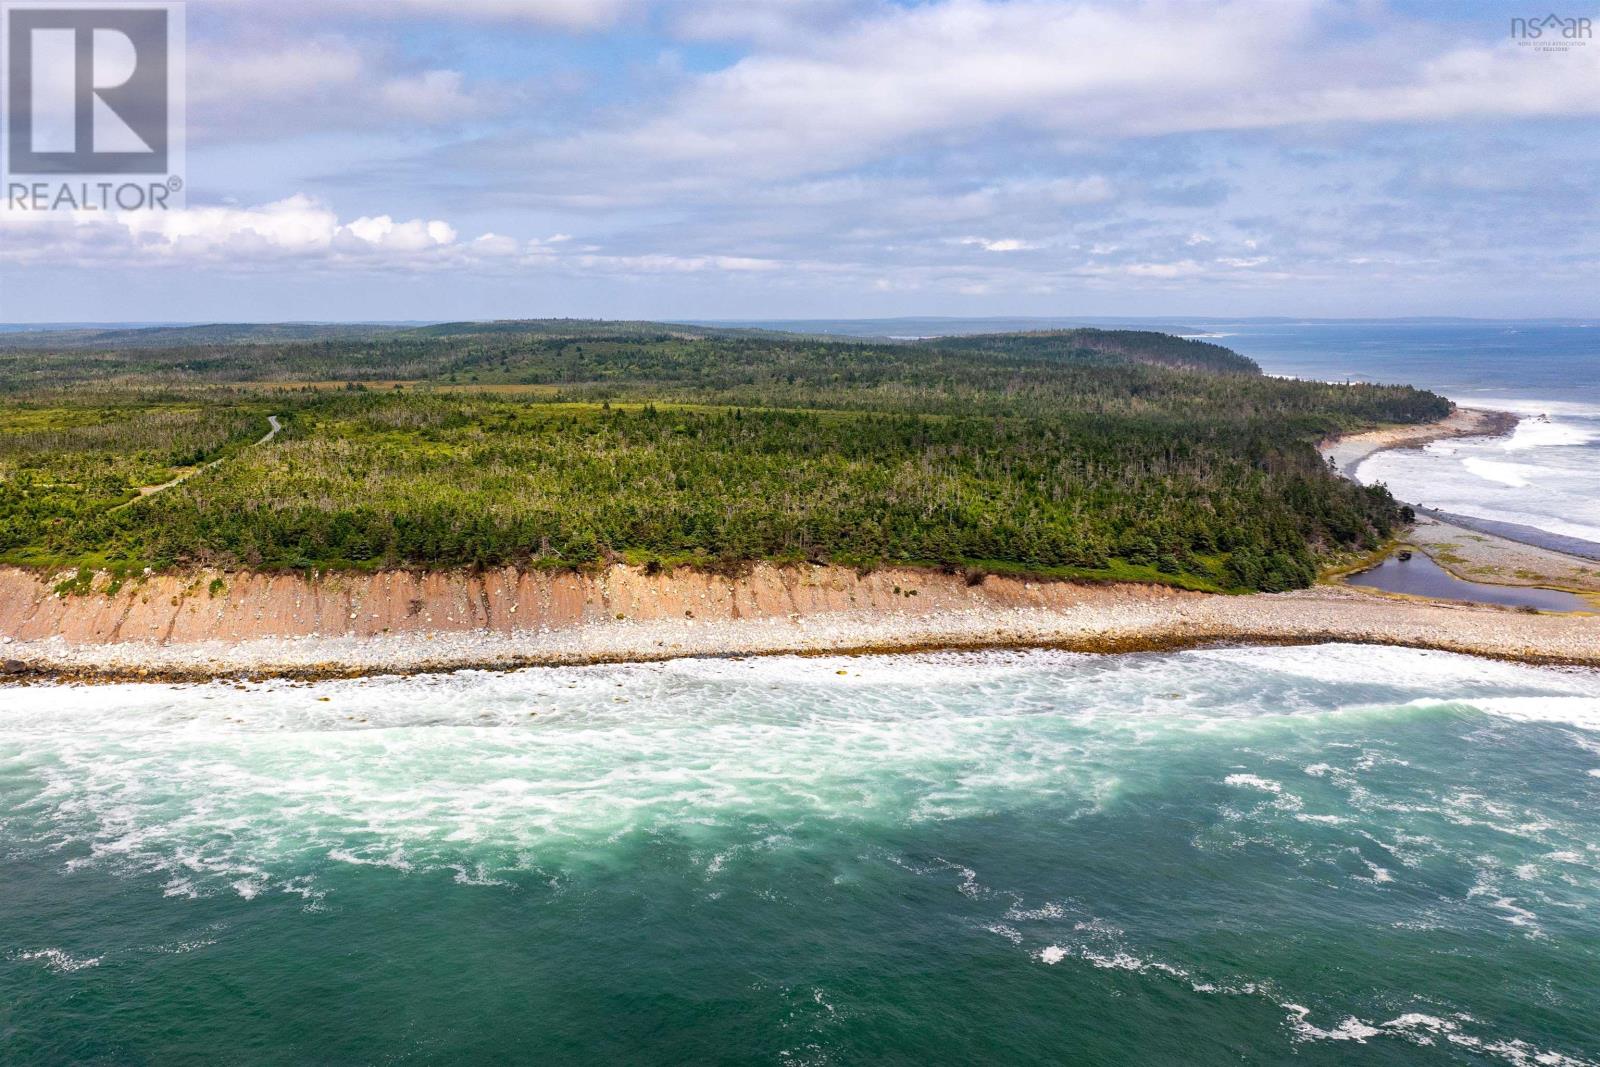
[[1416, 1028], [183, 948], [1443, 673], [1049, 912], [1251, 781], [1010, 933], [1103, 946], [1516, 475], [1420, 1028], [60, 961], [1531, 407], [479, 774], [1114, 960], [1350, 1029], [1542, 433], [1581, 712], [1517, 915]]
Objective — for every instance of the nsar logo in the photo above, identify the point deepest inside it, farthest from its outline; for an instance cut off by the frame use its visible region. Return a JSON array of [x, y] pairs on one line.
[[1553, 33]]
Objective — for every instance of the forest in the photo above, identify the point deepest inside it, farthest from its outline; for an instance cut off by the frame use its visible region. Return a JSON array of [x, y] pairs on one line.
[[567, 443]]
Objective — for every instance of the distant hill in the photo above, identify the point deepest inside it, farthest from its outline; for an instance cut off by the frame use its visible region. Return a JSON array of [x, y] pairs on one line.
[[1133, 346], [180, 336], [565, 351]]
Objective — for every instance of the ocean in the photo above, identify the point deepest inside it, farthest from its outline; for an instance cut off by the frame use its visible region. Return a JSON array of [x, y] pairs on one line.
[[1319, 855]]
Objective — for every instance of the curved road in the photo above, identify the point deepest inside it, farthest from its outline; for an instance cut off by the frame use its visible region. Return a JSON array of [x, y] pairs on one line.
[[146, 491]]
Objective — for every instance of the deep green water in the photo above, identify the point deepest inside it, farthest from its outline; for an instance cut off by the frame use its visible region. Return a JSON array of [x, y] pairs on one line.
[[1314, 855]]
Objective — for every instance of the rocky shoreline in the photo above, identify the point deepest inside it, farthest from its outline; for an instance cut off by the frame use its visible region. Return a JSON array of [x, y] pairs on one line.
[[1348, 451], [1483, 557], [888, 611]]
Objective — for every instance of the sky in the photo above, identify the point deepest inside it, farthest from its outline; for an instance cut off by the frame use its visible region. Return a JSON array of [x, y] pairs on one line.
[[748, 159]]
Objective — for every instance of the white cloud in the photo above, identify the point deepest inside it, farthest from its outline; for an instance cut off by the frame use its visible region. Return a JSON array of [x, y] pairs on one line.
[[940, 72], [559, 14], [219, 74], [772, 23], [657, 263], [1001, 244], [957, 66], [432, 97], [297, 228], [296, 224], [566, 14], [300, 230], [248, 90], [1094, 189], [382, 232], [493, 244]]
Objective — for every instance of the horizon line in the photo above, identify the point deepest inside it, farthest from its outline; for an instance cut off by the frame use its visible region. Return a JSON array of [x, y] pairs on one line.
[[84, 324]]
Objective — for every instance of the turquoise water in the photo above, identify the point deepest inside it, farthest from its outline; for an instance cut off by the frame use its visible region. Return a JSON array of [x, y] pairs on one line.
[[1325, 855]]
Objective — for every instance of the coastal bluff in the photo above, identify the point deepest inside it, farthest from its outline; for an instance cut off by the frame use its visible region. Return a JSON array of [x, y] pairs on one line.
[[210, 624], [213, 605]]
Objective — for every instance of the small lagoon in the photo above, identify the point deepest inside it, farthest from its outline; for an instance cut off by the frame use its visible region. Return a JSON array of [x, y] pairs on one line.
[[1421, 576]]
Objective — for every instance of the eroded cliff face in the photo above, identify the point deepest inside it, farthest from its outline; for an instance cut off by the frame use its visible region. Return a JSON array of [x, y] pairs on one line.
[[207, 606]]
